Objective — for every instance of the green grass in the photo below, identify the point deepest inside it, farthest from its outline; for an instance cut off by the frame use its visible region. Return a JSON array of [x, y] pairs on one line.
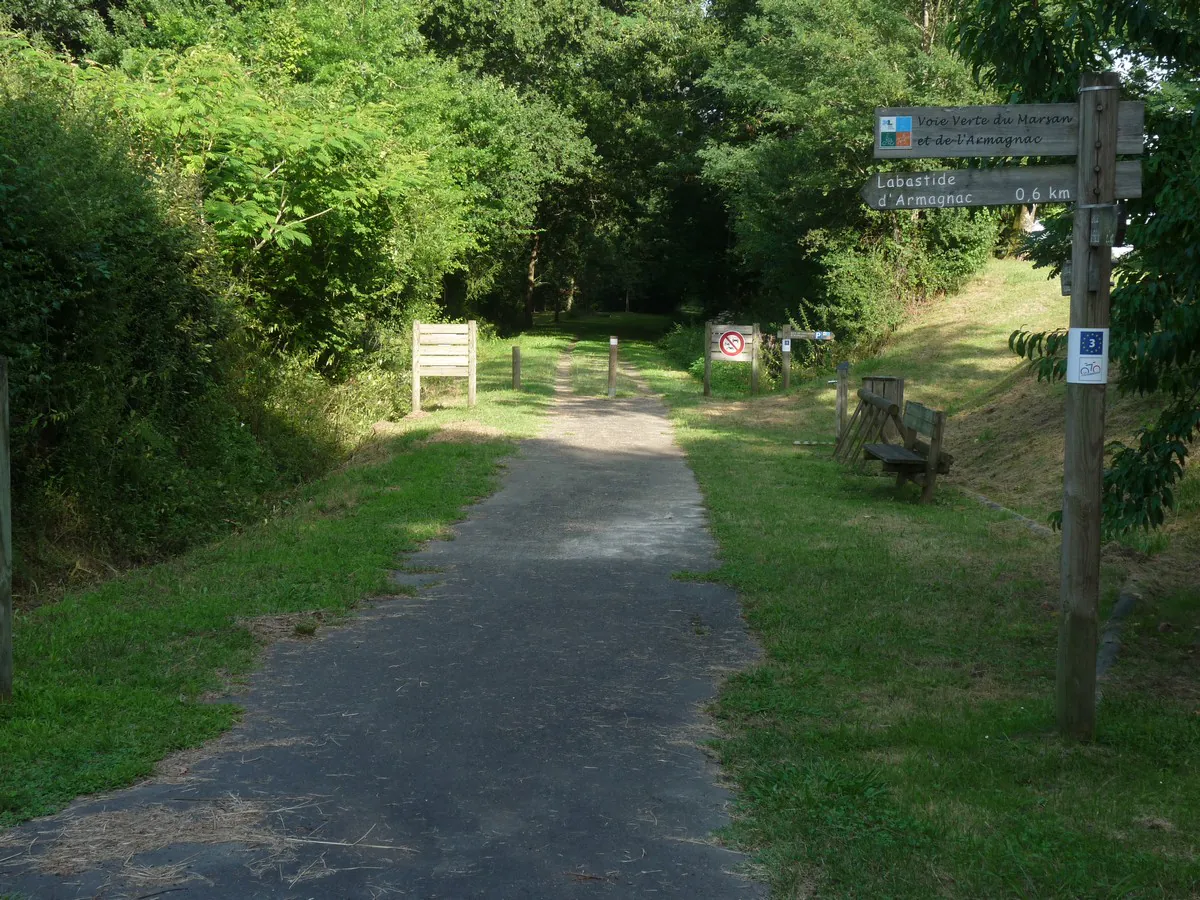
[[898, 738], [110, 680]]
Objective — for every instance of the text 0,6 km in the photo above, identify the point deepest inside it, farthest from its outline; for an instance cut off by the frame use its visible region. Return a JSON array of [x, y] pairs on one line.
[[732, 343]]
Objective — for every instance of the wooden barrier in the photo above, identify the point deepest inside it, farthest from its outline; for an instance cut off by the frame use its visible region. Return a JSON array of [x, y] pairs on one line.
[[443, 351], [891, 387]]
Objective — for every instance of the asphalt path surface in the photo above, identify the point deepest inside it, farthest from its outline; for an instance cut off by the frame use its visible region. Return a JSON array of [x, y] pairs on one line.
[[530, 725]]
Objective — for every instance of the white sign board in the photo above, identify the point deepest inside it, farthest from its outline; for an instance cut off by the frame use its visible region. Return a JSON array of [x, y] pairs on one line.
[[1087, 356], [731, 343], [612, 341], [787, 345]]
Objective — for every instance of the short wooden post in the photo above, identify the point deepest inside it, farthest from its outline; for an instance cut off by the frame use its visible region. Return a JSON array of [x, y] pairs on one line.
[[416, 367], [756, 338], [787, 356], [1083, 473], [6, 612], [516, 381], [472, 334], [612, 366], [708, 341], [843, 393]]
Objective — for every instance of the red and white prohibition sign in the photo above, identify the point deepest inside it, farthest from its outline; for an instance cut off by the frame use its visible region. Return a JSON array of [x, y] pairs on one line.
[[732, 343]]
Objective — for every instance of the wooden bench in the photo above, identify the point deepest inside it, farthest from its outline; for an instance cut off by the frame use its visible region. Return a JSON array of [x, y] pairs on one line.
[[916, 460]]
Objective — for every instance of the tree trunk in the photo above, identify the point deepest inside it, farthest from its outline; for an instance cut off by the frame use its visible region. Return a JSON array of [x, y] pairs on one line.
[[532, 282]]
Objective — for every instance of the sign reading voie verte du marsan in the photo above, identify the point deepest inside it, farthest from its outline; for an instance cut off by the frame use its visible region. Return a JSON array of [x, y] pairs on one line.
[[987, 187], [1031, 129]]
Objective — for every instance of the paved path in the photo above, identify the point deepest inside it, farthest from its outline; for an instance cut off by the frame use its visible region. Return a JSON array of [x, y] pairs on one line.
[[525, 728]]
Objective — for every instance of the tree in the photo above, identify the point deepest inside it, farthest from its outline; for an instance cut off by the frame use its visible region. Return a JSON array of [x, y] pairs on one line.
[[799, 80], [1035, 50]]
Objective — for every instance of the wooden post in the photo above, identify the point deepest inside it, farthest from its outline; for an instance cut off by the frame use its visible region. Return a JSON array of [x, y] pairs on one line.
[[6, 612], [756, 338], [787, 357], [843, 391], [612, 366], [708, 336], [416, 369], [472, 333], [516, 368], [1083, 471]]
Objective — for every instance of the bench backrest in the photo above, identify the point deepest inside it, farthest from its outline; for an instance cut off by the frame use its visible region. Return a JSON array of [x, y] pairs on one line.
[[919, 418]]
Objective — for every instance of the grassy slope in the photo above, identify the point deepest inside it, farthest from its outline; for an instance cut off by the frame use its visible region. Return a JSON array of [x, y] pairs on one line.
[[898, 740], [110, 680]]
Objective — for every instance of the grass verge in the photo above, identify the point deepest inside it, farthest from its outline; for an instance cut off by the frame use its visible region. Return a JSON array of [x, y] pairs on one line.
[[112, 679], [898, 738]]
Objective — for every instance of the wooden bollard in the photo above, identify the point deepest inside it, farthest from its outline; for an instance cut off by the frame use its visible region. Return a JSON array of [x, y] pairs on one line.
[[755, 347], [843, 393], [516, 368], [612, 366], [708, 339], [6, 613], [787, 356]]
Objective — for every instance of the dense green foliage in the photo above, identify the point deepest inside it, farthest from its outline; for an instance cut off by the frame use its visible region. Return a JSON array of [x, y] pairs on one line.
[[801, 79], [1037, 51]]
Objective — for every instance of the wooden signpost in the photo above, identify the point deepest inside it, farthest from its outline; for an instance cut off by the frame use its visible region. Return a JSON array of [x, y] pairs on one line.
[[786, 336], [1094, 130], [731, 343], [443, 350]]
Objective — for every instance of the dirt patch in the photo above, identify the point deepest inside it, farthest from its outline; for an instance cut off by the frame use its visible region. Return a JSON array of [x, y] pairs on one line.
[[297, 626], [464, 433], [178, 768]]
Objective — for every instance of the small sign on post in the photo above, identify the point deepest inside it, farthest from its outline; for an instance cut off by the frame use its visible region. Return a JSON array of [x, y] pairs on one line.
[[443, 350], [786, 336]]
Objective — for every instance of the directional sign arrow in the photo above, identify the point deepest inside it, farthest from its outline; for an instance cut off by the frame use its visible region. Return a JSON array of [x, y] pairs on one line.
[[1022, 129], [987, 187]]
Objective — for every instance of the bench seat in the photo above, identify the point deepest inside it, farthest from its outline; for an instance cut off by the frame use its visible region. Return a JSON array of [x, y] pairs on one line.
[[895, 455]]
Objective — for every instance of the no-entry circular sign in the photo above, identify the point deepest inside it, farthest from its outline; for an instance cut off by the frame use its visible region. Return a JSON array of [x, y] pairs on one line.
[[732, 343]]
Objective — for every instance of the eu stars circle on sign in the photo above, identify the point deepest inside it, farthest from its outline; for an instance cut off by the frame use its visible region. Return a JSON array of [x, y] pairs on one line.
[[732, 343]]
